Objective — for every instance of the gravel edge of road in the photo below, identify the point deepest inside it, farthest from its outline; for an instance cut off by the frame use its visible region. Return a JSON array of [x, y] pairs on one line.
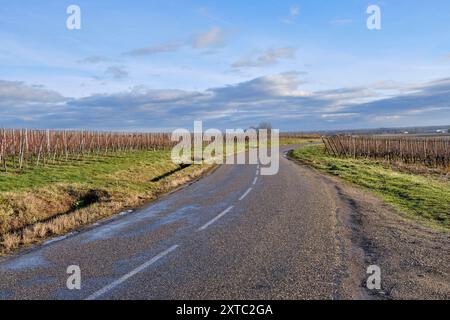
[[414, 258]]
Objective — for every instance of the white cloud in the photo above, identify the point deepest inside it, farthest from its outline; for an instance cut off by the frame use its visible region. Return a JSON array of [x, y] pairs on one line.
[[294, 12], [426, 110], [280, 85], [214, 37], [18, 92], [117, 72], [341, 22], [339, 116], [277, 98], [267, 58], [210, 39], [387, 118], [156, 49], [94, 59]]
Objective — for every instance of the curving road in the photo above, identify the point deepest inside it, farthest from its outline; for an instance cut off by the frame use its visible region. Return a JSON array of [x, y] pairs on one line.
[[232, 235]]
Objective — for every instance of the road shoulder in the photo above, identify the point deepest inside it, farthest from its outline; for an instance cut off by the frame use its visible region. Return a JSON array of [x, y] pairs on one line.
[[413, 258]]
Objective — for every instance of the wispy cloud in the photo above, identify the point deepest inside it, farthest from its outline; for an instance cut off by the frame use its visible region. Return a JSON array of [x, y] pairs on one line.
[[338, 116], [267, 58], [214, 37], [205, 12], [117, 72], [94, 59], [294, 13], [156, 49], [341, 22]]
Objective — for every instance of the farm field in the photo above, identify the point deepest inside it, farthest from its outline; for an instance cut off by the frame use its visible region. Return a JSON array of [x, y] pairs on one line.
[[293, 138], [56, 198], [22, 148], [421, 196], [431, 152], [52, 182]]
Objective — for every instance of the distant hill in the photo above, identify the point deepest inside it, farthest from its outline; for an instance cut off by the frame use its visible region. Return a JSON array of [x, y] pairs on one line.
[[430, 130]]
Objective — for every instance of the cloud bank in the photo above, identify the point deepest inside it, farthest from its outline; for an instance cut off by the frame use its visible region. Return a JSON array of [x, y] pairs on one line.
[[277, 98]]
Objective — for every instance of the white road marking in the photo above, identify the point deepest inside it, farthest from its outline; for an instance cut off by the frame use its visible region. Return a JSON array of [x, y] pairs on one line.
[[257, 172], [216, 218], [255, 180], [245, 194], [130, 274], [57, 239], [124, 213]]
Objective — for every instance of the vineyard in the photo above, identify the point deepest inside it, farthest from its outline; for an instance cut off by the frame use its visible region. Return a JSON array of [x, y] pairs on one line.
[[432, 152], [299, 135], [22, 148]]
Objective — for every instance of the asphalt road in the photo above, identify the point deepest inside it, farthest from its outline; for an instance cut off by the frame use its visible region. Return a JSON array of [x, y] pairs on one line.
[[232, 235]]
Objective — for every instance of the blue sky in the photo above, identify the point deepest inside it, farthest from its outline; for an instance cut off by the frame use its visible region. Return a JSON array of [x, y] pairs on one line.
[[152, 65]]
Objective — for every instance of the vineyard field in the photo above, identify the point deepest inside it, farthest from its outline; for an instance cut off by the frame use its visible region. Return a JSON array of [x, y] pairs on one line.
[[432, 151], [22, 148]]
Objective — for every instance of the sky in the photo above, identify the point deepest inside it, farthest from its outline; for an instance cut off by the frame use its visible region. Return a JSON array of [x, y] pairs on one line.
[[160, 65]]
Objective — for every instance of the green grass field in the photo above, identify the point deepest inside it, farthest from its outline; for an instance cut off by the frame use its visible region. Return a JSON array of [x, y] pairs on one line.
[[51, 200], [424, 197], [288, 141], [94, 171]]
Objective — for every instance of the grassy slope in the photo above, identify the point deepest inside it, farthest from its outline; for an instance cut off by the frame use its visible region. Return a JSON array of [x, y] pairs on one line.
[[289, 141], [424, 197], [55, 199]]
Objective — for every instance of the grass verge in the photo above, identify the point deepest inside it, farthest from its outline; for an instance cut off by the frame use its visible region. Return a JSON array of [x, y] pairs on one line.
[[422, 197], [56, 199], [289, 141]]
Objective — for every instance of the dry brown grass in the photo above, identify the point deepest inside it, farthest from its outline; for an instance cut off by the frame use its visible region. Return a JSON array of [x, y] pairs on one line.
[[21, 209], [10, 242], [31, 217]]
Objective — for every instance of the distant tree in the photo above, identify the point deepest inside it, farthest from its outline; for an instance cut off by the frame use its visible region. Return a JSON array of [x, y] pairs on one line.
[[448, 130], [265, 125]]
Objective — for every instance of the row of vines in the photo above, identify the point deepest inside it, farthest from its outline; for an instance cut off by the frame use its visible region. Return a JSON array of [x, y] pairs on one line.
[[20, 148], [432, 151]]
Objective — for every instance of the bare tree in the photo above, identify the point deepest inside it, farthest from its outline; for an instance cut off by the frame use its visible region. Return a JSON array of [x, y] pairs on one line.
[[265, 125]]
